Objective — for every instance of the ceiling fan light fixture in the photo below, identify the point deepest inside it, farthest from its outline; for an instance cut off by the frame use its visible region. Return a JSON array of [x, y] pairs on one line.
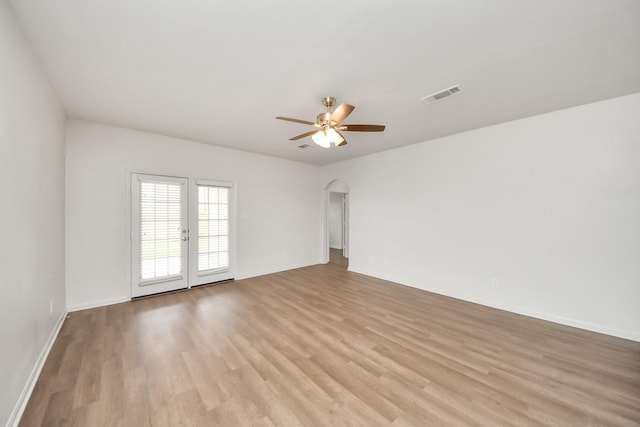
[[321, 139], [334, 136], [326, 137]]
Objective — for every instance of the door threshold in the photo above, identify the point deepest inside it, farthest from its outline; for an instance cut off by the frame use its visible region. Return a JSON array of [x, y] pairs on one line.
[[174, 291]]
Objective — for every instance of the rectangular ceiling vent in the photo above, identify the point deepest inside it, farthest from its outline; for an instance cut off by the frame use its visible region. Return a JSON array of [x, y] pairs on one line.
[[434, 97], [303, 146]]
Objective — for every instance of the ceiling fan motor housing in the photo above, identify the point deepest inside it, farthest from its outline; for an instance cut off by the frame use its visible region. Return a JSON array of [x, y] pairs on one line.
[[328, 101], [323, 118]]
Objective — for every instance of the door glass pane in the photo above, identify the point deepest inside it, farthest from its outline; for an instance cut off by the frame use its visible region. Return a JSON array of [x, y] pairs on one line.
[[213, 228], [160, 231]]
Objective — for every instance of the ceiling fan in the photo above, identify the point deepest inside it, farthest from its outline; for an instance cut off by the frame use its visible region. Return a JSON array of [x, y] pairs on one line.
[[329, 125]]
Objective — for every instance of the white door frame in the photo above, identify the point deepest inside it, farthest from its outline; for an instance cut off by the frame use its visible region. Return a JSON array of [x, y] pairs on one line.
[[140, 287], [191, 279], [345, 226], [197, 278]]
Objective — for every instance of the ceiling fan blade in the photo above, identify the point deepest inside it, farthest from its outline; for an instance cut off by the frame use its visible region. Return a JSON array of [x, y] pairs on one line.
[[343, 142], [362, 128], [341, 113], [289, 119], [303, 135]]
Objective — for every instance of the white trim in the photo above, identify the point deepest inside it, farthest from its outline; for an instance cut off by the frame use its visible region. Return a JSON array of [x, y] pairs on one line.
[[213, 271], [277, 270], [129, 238], [196, 277], [326, 235], [335, 186], [21, 404], [345, 225], [129, 212], [118, 300], [142, 177], [213, 183], [148, 282], [192, 278], [140, 287], [620, 333], [97, 303]]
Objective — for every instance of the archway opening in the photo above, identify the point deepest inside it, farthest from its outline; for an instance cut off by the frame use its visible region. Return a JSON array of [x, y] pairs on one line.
[[337, 223]]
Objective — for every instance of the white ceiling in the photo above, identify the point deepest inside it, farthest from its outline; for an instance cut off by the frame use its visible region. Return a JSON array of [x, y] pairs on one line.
[[220, 71]]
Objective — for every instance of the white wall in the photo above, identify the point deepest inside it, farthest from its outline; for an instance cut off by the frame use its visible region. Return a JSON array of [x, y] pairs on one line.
[[336, 201], [279, 205], [32, 215], [548, 205]]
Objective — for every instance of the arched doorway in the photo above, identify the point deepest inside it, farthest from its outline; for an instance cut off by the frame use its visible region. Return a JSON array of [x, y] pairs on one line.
[[337, 223]]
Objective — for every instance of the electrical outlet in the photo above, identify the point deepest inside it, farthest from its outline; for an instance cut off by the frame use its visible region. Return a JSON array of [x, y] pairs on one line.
[[51, 307], [494, 283]]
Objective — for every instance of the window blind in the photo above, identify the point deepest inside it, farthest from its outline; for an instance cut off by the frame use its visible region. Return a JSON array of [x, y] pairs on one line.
[[213, 227], [160, 230]]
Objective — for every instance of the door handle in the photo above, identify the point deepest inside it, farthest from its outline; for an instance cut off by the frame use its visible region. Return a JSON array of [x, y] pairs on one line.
[[184, 239]]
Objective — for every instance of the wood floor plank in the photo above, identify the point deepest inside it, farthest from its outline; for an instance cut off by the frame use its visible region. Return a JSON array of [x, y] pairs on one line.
[[323, 346]]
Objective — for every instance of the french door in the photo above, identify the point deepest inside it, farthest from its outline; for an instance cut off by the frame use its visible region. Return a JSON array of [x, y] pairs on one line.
[[180, 233]]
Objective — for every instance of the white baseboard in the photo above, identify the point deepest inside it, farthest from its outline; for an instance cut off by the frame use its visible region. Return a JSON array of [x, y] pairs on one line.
[[593, 327], [277, 270], [109, 301], [96, 303], [620, 333], [21, 404]]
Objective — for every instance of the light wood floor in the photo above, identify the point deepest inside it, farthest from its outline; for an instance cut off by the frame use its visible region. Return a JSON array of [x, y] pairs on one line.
[[323, 346], [335, 257]]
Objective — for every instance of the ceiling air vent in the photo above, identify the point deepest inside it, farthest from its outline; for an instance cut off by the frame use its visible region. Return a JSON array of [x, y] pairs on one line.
[[430, 99], [303, 145]]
